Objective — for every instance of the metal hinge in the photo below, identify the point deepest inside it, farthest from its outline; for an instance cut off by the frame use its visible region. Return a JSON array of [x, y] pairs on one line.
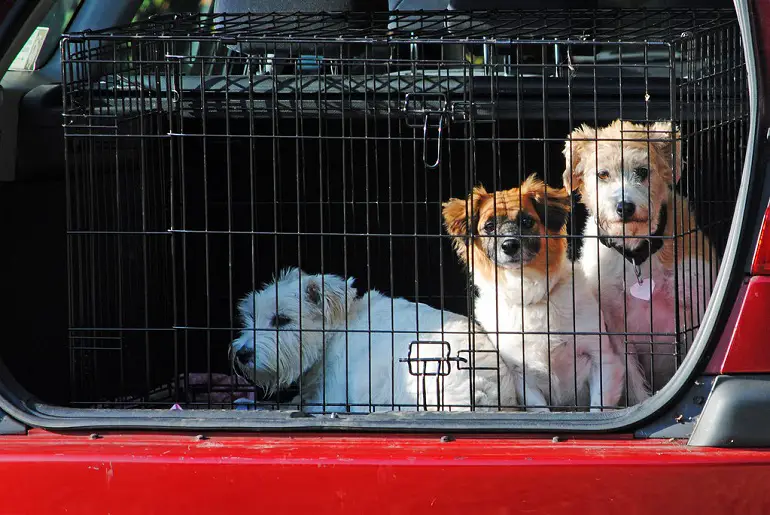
[[470, 361], [472, 111]]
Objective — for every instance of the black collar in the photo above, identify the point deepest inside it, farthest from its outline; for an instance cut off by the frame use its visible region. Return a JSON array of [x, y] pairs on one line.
[[647, 248]]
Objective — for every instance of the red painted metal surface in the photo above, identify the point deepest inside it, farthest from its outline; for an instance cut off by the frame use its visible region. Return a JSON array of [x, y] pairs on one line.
[[714, 365], [744, 345], [749, 349], [121, 474], [760, 265]]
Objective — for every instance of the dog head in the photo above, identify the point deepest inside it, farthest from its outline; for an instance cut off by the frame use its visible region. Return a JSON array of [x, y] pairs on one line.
[[290, 313], [624, 173], [508, 229]]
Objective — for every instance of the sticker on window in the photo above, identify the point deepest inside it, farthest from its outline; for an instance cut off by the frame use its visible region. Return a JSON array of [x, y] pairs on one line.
[[27, 57]]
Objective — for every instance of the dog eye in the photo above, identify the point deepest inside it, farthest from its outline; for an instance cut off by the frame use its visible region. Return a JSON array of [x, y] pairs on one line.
[[280, 321], [527, 223], [641, 173], [489, 226], [603, 174]]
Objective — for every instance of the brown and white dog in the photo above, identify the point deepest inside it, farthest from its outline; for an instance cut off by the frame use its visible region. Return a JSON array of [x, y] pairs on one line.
[[545, 321], [628, 188]]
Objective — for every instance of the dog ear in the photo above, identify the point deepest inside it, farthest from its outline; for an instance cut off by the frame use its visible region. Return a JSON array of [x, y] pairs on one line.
[[551, 204], [574, 148], [663, 135], [313, 291], [462, 215], [332, 295]]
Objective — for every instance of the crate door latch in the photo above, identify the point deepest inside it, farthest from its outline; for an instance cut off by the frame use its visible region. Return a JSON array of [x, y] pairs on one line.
[[427, 110], [431, 359]]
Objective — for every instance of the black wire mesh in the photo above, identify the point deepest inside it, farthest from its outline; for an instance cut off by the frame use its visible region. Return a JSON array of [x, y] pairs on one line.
[[206, 153], [538, 26]]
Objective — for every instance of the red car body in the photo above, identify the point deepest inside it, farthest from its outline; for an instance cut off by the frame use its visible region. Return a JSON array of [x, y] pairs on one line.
[[145, 472], [151, 473]]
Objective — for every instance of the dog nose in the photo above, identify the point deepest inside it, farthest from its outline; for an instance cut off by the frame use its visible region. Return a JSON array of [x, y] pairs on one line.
[[244, 355], [510, 246], [625, 210]]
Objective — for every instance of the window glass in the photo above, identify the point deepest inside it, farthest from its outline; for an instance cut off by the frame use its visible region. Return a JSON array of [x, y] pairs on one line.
[[153, 7], [45, 39]]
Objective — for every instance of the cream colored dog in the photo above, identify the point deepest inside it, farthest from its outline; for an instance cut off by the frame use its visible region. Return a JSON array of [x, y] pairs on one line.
[[625, 174]]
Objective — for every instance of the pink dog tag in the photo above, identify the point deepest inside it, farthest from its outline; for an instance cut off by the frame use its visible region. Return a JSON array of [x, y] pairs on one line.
[[643, 289]]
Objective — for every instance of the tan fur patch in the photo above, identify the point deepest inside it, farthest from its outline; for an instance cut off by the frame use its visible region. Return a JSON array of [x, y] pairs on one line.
[[691, 242], [465, 218]]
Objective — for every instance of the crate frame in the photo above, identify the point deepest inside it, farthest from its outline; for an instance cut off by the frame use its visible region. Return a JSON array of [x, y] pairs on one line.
[[161, 25]]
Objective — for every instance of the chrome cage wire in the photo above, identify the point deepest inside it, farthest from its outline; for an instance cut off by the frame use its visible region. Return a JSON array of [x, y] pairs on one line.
[[207, 152]]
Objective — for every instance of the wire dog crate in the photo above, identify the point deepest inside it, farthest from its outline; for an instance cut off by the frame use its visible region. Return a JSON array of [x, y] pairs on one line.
[[206, 153]]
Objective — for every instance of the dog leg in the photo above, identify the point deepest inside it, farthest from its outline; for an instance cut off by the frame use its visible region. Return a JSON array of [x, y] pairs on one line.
[[535, 400], [606, 383], [607, 373], [638, 390]]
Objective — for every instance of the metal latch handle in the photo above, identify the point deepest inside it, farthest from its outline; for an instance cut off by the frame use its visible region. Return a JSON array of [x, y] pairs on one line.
[[417, 109], [438, 142]]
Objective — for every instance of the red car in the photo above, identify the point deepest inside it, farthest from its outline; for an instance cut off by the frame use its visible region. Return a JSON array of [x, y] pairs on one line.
[[699, 444]]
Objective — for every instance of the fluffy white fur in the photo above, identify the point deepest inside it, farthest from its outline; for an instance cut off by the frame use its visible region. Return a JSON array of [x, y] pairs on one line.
[[621, 309], [619, 151], [523, 304], [350, 348]]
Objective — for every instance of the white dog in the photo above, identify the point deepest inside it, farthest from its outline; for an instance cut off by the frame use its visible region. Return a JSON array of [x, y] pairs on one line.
[[628, 189], [346, 350], [546, 320]]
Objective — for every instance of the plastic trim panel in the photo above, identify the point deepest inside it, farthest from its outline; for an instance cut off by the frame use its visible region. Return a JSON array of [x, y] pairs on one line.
[[737, 413]]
